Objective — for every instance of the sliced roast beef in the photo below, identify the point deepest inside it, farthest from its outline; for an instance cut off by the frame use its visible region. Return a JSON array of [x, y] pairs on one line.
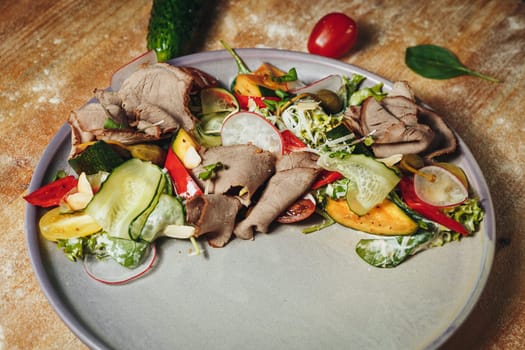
[[402, 108], [152, 115], [213, 215], [107, 97], [401, 88], [394, 135], [400, 125], [201, 79], [125, 136], [112, 104], [445, 142], [390, 128], [352, 119], [283, 189], [296, 160], [84, 122], [161, 85], [152, 104], [296, 173], [245, 168]]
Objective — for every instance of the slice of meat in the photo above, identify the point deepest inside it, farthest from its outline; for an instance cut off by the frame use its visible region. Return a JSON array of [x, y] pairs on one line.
[[374, 117], [213, 215], [296, 172], [245, 169], [283, 189], [445, 142], [201, 79], [125, 136], [402, 108], [84, 122], [154, 115], [107, 97], [401, 126], [401, 88], [393, 134], [165, 86], [300, 159], [112, 103], [352, 118]]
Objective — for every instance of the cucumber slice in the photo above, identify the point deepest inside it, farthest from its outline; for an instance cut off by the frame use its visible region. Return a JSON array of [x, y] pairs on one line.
[[168, 211], [216, 99], [212, 122], [127, 197], [370, 180]]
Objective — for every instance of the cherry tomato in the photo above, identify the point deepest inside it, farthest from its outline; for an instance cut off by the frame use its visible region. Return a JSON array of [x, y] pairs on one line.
[[300, 210], [333, 36]]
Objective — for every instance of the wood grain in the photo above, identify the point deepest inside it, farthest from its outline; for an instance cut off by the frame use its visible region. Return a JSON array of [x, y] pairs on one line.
[[53, 53]]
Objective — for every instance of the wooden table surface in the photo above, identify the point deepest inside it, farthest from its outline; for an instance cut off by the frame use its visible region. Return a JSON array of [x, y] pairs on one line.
[[54, 52]]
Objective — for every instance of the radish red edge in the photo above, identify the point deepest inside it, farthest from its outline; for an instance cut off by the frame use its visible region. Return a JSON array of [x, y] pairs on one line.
[[235, 134], [108, 271]]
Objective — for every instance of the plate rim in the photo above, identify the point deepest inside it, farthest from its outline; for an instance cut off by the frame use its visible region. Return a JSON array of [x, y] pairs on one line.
[[33, 242]]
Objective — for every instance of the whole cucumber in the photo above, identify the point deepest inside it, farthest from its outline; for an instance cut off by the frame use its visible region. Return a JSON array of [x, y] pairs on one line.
[[172, 26]]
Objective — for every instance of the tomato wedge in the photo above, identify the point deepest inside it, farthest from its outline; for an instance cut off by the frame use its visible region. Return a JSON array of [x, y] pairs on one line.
[[299, 211]]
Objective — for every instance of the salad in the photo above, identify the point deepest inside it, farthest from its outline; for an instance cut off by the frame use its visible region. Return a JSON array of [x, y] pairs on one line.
[[172, 153]]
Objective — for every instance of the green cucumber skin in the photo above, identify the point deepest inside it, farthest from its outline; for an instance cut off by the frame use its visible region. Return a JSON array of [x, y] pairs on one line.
[[98, 157], [172, 26], [131, 190], [168, 211]]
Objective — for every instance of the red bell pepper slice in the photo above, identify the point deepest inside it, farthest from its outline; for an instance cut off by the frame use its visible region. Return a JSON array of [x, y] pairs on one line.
[[184, 184], [258, 100], [326, 177], [51, 194], [431, 212], [291, 142]]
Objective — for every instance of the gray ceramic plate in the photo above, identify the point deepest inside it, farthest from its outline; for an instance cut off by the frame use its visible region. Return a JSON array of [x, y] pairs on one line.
[[284, 290]]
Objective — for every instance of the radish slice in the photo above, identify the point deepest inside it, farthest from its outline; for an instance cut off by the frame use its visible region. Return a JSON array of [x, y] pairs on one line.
[[248, 127], [331, 82], [111, 272], [439, 187], [147, 58]]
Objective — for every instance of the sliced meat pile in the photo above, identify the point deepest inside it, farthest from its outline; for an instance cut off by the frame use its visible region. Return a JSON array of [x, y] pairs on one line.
[[214, 215], [245, 169], [400, 125], [295, 174], [248, 170], [151, 104]]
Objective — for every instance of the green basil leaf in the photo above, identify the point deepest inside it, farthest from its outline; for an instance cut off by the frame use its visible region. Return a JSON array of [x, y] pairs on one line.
[[436, 62]]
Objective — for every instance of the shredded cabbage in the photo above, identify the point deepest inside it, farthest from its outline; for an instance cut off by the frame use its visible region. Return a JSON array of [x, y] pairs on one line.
[[308, 121]]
